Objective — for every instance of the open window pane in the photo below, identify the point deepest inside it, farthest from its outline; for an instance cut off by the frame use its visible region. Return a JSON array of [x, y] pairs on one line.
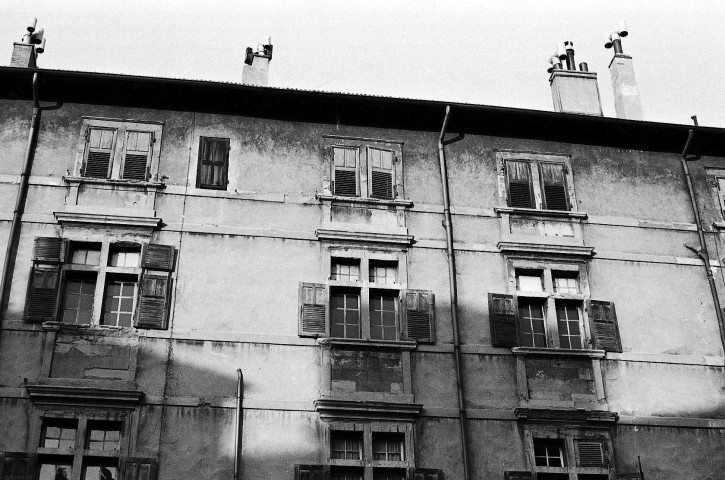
[[531, 323], [529, 281]]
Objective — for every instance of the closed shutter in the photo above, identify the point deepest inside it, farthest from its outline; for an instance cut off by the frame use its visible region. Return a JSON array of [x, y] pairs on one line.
[[518, 174], [381, 173], [345, 170], [590, 454], [158, 257], [603, 321], [311, 472], [502, 318], [418, 307], [136, 158], [521, 475], [134, 468], [49, 250], [213, 163], [425, 474], [99, 152], [153, 300], [552, 177], [42, 297], [17, 466], [312, 309]]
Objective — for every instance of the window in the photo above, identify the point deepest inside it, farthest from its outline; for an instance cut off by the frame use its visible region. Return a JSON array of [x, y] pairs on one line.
[[551, 309], [364, 168], [110, 284], [569, 454], [368, 453], [118, 149], [364, 299], [536, 181], [213, 166]]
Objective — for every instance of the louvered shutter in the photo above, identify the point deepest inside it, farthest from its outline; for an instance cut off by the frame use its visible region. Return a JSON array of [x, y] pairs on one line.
[[604, 328], [213, 163], [518, 174], [158, 257], [425, 474], [313, 309], [137, 154], [590, 453], [311, 472], [520, 475], [153, 300], [502, 319], [418, 308], [17, 466], [49, 250], [345, 169], [42, 298], [381, 173], [552, 177], [134, 468], [99, 152]]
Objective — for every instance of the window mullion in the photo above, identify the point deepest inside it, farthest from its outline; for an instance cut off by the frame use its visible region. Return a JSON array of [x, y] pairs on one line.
[[119, 146], [79, 447], [362, 170], [552, 329], [536, 183]]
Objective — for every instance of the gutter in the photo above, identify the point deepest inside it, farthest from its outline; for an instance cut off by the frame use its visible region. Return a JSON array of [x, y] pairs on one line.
[[448, 225], [238, 423], [702, 251], [13, 237]]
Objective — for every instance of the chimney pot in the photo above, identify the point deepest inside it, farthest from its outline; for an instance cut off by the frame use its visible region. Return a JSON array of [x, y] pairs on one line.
[[256, 64]]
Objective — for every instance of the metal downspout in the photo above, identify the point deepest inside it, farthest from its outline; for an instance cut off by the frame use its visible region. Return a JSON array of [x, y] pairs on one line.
[[702, 252], [447, 223], [238, 423], [22, 193]]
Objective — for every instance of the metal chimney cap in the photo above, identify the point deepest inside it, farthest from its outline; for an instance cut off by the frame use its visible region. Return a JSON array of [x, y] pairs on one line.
[[31, 24]]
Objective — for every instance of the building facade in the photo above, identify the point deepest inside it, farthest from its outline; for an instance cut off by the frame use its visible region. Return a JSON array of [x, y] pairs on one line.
[[228, 281]]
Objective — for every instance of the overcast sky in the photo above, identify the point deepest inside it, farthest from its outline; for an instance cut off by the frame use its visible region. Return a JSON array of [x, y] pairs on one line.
[[476, 51]]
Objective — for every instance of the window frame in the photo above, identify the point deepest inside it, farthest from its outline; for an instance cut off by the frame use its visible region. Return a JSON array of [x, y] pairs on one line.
[[121, 129], [535, 160], [551, 298], [364, 168], [569, 436], [367, 466]]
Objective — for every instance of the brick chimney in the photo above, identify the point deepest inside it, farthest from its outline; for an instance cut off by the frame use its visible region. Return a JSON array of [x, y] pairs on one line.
[[26, 51], [256, 64], [626, 94], [573, 91]]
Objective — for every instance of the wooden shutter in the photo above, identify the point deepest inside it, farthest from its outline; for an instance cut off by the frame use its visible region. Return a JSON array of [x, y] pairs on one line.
[[153, 300], [17, 466], [520, 475], [99, 152], [50, 249], [518, 174], [213, 168], [603, 324], [345, 169], [42, 298], [313, 309], [134, 468], [418, 308], [136, 157], [590, 453], [502, 318], [425, 474], [381, 173], [158, 257], [311, 472], [552, 178]]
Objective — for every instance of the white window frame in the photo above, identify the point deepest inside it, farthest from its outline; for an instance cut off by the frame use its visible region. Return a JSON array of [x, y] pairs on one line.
[[569, 435], [535, 160], [121, 128]]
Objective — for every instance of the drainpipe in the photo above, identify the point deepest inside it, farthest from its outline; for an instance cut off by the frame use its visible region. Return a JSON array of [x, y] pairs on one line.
[[702, 252], [22, 192], [238, 423], [453, 289]]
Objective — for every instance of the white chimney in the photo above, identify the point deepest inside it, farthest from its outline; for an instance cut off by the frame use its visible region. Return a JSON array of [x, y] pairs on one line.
[[573, 91], [256, 64], [627, 103]]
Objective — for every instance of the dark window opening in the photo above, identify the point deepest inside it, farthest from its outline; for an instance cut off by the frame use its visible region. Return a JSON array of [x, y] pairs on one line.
[[78, 296], [532, 325], [213, 170], [345, 313]]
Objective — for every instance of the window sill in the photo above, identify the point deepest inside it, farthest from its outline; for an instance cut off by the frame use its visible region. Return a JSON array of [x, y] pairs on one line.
[[718, 225], [364, 201], [561, 352], [372, 344], [86, 329], [540, 213], [73, 180], [348, 409]]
